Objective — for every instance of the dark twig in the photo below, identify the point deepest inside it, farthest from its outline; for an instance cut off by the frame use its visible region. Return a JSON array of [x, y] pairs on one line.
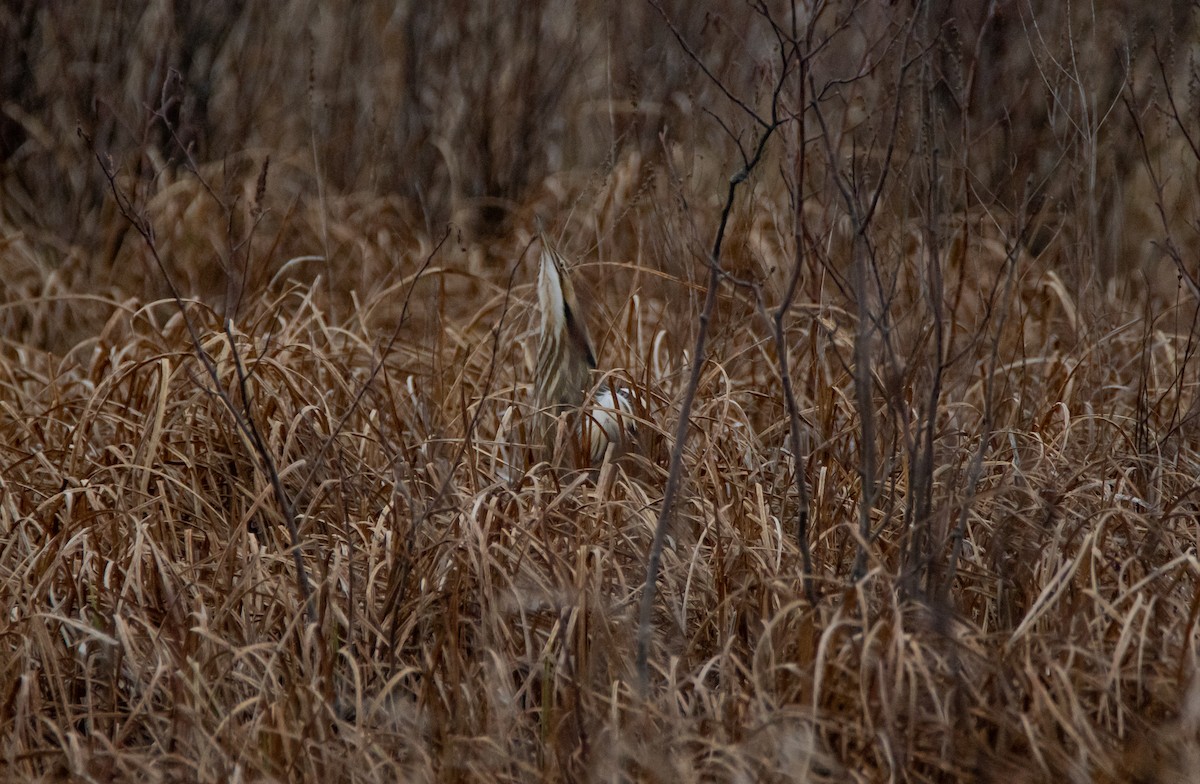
[[242, 418], [715, 276], [789, 395], [683, 44], [869, 322]]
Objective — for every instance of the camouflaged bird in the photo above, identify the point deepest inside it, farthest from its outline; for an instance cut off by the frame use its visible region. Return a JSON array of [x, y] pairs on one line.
[[562, 382]]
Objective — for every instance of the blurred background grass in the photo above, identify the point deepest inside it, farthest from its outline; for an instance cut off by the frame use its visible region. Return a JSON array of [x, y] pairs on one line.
[[471, 112]]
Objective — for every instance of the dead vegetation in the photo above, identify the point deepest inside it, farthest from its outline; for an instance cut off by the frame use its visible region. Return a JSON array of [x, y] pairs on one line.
[[267, 510]]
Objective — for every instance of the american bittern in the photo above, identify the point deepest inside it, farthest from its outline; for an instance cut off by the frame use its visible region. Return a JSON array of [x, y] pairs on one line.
[[564, 365]]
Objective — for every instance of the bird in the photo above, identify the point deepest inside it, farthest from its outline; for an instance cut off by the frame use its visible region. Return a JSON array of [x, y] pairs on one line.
[[598, 417]]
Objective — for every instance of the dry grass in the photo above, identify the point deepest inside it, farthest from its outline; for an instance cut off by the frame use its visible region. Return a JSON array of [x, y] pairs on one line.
[[1027, 593]]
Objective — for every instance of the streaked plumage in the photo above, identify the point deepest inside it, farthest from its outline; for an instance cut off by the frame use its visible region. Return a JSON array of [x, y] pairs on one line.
[[565, 363]]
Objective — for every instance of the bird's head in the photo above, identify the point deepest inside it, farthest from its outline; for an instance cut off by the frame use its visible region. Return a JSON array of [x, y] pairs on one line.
[[563, 328], [565, 356]]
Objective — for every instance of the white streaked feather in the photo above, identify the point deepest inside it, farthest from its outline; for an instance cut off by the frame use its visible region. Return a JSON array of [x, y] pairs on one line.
[[604, 423], [609, 420], [550, 294]]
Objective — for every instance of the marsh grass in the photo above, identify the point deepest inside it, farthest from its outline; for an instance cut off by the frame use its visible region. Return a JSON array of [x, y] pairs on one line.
[[1021, 604]]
